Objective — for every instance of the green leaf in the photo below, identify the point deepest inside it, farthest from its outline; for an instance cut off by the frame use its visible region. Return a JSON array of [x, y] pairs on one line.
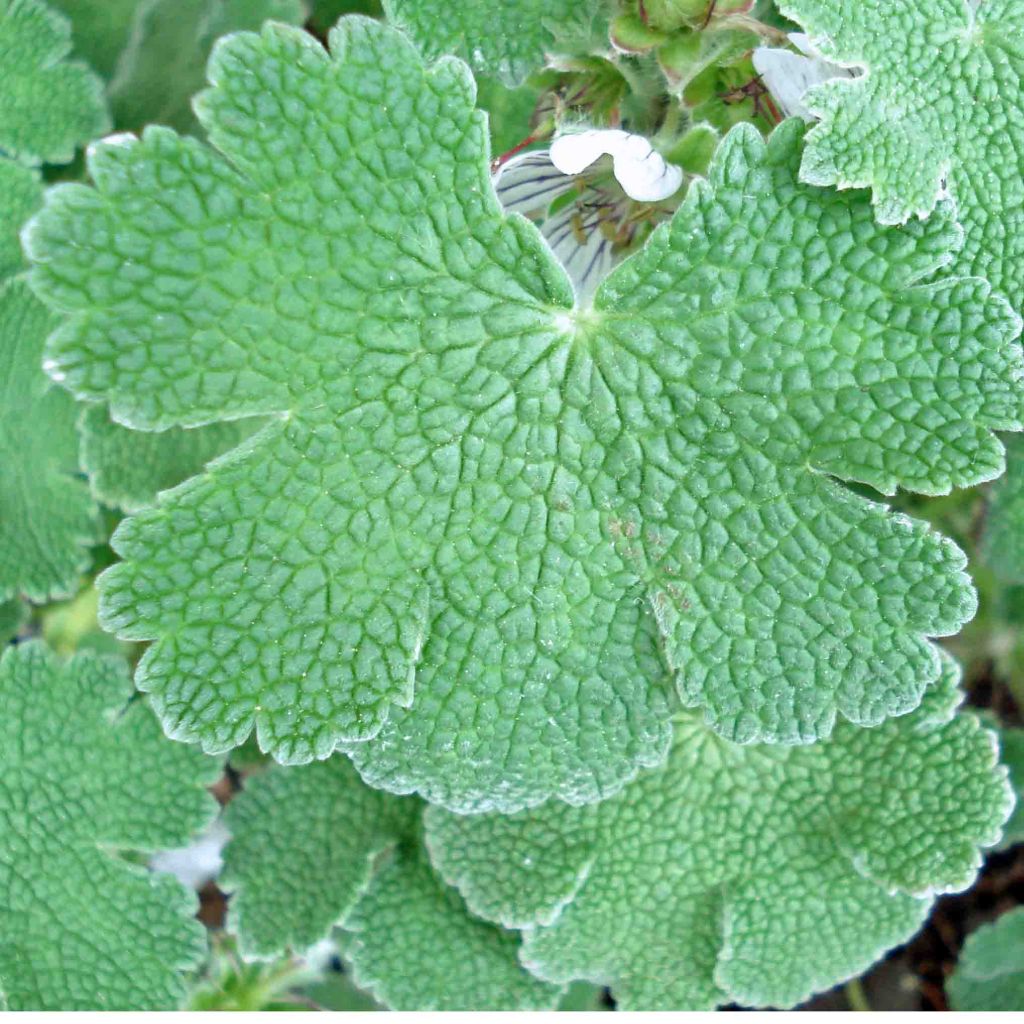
[[50, 105], [101, 30], [1012, 744], [86, 777], [21, 194], [750, 874], [484, 529], [990, 972], [128, 468], [1002, 543], [313, 847], [166, 62], [505, 38], [48, 519], [12, 617], [940, 107], [302, 851]]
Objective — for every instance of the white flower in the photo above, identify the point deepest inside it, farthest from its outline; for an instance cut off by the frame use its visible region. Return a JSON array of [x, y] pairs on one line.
[[586, 233], [789, 75]]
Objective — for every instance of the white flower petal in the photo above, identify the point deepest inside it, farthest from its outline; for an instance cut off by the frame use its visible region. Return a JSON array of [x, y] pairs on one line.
[[530, 182], [639, 168], [788, 76]]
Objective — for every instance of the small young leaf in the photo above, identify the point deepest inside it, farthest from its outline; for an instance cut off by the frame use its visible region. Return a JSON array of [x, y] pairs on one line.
[[128, 468], [506, 38], [48, 519], [990, 973], [85, 775], [941, 106], [484, 528], [751, 874], [49, 105], [314, 846]]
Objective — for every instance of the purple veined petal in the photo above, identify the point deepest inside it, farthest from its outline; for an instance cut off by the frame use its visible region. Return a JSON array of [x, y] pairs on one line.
[[530, 183]]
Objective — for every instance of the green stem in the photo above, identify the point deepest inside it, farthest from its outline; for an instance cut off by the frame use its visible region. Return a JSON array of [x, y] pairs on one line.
[[856, 996]]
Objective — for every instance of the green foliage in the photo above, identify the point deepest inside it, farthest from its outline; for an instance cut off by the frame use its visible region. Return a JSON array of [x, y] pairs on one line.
[[86, 778], [637, 583], [584, 491], [1003, 542], [127, 468], [166, 62], [505, 38], [50, 105], [990, 973], [940, 107], [47, 517], [707, 881], [1012, 743], [361, 863]]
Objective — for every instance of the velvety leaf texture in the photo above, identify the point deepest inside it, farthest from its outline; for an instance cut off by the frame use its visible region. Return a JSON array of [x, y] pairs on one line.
[[314, 846], [506, 38], [50, 104], [486, 534], [750, 874], [990, 972], [941, 106], [86, 774], [127, 468]]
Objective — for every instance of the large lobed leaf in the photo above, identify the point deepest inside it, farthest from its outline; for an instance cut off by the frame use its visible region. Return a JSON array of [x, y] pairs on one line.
[[86, 776], [485, 534], [756, 875], [360, 862]]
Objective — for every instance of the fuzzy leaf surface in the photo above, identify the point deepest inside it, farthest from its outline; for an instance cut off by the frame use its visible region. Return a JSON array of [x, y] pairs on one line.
[[990, 972], [128, 468], [506, 38], [50, 104], [942, 103], [313, 846], [86, 774], [483, 530], [750, 874]]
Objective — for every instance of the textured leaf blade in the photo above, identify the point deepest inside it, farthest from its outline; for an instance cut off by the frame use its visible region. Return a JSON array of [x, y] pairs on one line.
[[74, 749], [506, 38], [313, 846], [749, 874], [51, 105], [482, 529], [941, 105]]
